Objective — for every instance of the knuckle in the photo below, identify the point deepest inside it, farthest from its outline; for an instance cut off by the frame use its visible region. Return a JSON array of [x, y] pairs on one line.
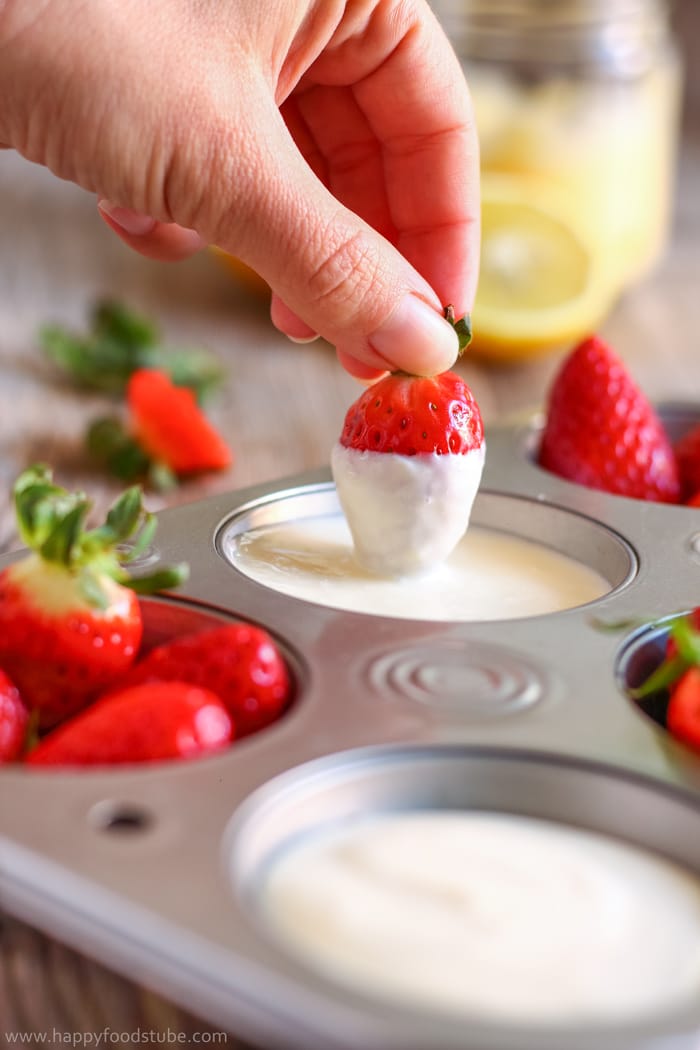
[[349, 272]]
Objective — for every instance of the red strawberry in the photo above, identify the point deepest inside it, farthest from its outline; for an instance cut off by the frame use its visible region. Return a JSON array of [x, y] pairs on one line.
[[14, 721], [687, 451], [70, 621], [683, 713], [147, 723], [407, 468], [694, 501], [409, 415], [602, 432], [239, 662], [170, 426]]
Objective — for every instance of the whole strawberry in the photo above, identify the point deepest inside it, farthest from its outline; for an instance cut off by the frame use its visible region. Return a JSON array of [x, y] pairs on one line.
[[678, 676], [603, 433], [238, 661], [70, 619], [147, 723], [687, 451], [407, 468], [14, 721]]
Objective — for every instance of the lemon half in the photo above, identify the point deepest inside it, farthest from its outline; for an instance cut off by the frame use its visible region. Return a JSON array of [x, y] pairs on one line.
[[542, 284]]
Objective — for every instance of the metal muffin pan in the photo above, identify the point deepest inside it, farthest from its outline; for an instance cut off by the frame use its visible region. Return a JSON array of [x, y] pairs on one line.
[[153, 869]]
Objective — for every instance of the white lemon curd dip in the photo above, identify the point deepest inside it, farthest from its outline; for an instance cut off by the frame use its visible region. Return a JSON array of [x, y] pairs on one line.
[[492, 915], [490, 575]]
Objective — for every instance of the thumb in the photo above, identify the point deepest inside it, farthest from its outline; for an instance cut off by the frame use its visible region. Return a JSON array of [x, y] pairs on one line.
[[331, 269]]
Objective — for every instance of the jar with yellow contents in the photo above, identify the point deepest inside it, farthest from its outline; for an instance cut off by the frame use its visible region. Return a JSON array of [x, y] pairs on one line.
[[577, 105]]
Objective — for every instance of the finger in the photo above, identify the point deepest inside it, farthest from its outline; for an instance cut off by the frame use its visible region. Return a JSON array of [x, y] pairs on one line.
[[359, 370], [338, 131], [418, 106], [166, 242], [331, 269], [287, 322]]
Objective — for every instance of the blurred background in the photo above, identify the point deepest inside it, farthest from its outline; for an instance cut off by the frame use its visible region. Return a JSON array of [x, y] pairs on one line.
[[589, 115]]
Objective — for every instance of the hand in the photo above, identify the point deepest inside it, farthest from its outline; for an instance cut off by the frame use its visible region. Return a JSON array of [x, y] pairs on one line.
[[329, 145]]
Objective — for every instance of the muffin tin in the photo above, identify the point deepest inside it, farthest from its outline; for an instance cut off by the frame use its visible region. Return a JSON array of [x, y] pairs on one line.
[[154, 870]]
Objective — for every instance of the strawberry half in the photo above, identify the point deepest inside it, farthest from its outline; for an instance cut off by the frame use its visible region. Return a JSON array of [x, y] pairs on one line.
[[147, 723], [14, 721], [170, 427], [238, 661], [70, 620], [407, 468], [603, 433]]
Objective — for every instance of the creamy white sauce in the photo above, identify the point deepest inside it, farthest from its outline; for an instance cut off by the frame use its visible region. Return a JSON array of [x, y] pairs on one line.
[[506, 917], [490, 575], [405, 513]]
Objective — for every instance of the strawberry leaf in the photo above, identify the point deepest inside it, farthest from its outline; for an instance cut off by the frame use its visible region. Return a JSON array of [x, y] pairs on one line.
[[62, 541], [120, 342], [662, 678], [161, 580], [463, 328]]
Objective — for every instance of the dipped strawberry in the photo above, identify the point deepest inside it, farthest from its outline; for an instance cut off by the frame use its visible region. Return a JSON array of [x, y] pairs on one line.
[[146, 723], [238, 661], [70, 619], [14, 721], [407, 468], [602, 432]]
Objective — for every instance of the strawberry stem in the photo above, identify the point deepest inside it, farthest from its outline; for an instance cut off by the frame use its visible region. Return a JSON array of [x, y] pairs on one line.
[[463, 328]]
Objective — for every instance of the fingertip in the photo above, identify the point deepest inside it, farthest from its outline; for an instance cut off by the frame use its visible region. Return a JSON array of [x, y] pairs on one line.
[[359, 369], [289, 323], [164, 242]]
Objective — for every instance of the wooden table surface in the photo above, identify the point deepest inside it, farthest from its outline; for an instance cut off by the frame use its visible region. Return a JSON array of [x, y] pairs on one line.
[[281, 409]]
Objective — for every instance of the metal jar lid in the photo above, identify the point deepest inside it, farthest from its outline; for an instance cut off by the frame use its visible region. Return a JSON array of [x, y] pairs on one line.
[[616, 37]]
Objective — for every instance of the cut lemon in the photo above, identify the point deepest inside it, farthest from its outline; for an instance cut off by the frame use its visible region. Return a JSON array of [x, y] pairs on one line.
[[542, 285]]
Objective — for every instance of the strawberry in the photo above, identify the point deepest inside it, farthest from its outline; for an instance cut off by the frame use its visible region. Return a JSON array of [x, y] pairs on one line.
[[683, 713], [170, 427], [407, 467], [146, 723], [70, 620], [238, 661], [603, 433], [687, 451], [678, 677], [14, 721]]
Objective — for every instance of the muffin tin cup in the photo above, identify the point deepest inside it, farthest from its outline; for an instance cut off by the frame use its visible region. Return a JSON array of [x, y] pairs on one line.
[[153, 868]]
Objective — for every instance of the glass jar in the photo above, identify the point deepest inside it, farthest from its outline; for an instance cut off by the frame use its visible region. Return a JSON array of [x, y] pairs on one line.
[[582, 95]]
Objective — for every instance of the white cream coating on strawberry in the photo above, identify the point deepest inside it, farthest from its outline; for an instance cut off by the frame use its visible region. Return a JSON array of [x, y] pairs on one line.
[[56, 591], [406, 513]]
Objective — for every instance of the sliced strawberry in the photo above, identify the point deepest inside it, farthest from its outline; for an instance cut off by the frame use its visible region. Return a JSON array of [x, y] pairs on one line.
[[146, 723], [687, 451], [70, 621], [603, 433], [239, 662], [683, 714], [14, 721], [170, 426]]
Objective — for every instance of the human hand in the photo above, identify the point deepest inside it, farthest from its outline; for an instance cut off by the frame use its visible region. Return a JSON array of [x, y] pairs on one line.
[[330, 145]]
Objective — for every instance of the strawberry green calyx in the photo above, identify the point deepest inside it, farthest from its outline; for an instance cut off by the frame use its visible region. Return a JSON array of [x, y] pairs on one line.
[[51, 522], [463, 328], [685, 654]]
